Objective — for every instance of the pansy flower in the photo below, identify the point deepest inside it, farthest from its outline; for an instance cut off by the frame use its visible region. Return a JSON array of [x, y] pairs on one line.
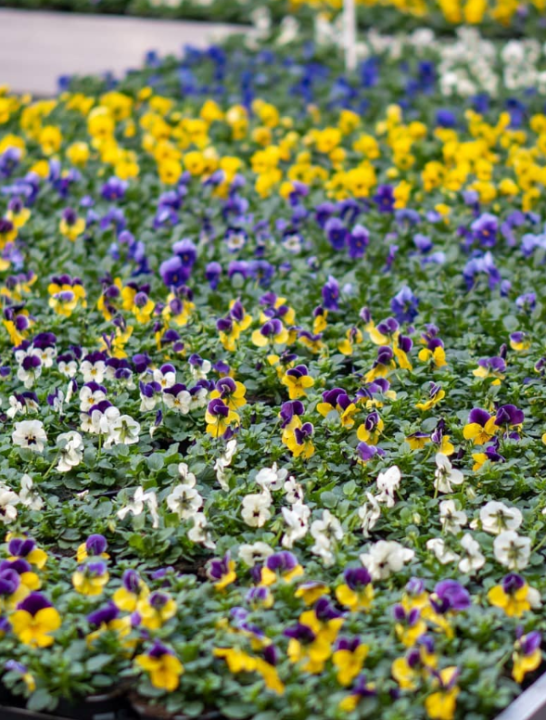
[[348, 658], [34, 620], [132, 590], [370, 431], [493, 367], [71, 226], [527, 656], [441, 704], [271, 332], [436, 394], [219, 418], [26, 548], [222, 572], [382, 365], [298, 381], [90, 579], [434, 351], [155, 609], [514, 596], [94, 546], [409, 625], [416, 665], [361, 690], [280, 566], [356, 593], [336, 400], [300, 441], [481, 427], [509, 420], [162, 666], [231, 392]]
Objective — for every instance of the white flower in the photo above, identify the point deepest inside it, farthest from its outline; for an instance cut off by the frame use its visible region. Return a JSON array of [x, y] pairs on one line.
[[445, 475], [512, 550], [8, 502], [123, 431], [443, 553], [186, 475], [89, 397], [99, 423], [68, 368], [185, 501], [15, 407], [30, 434], [297, 521], [255, 509], [472, 556], [326, 531], [29, 497], [223, 462], [272, 478], [386, 557], [198, 398], [71, 451], [166, 376], [199, 534], [452, 519], [142, 500], [495, 517], [255, 553], [387, 484], [293, 490], [180, 402], [369, 514], [200, 370], [93, 371]]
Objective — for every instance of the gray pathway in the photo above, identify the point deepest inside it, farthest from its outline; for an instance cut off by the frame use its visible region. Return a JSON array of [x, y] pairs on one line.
[[36, 48]]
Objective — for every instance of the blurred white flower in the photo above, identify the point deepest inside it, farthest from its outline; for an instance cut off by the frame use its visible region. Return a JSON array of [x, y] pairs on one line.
[[30, 434], [512, 550], [386, 557], [445, 474]]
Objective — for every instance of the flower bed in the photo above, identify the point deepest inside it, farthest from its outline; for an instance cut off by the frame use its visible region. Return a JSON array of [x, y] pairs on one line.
[[498, 18], [272, 384]]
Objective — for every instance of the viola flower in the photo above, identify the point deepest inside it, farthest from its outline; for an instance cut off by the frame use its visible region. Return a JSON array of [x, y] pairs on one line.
[[271, 332], [434, 351], [26, 548], [91, 578], [370, 431], [491, 368], [357, 591], [231, 392], [71, 226], [481, 427], [222, 572], [348, 658], [361, 690], [409, 625], [337, 400], [298, 381], [418, 663], [155, 609], [446, 475], [441, 705], [94, 546], [133, 590], [512, 550], [30, 434], [490, 454], [162, 666], [404, 305], [300, 441], [382, 365], [219, 418], [510, 420], [514, 596], [520, 341], [280, 566], [527, 656], [436, 394], [34, 620]]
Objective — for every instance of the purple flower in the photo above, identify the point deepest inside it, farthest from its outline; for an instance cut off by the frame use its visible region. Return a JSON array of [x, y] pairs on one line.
[[357, 242], [173, 272], [114, 189], [336, 232], [384, 198], [103, 615], [485, 229], [404, 305], [96, 545], [330, 294], [449, 595], [357, 578]]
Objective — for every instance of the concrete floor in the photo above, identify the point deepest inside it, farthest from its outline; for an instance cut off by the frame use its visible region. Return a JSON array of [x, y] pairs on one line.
[[36, 48]]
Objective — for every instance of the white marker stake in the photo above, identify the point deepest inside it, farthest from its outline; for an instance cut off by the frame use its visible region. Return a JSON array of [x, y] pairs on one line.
[[349, 27]]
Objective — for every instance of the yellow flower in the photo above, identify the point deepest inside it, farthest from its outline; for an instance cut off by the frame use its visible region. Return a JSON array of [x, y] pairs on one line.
[[163, 668], [349, 661], [513, 598], [155, 609], [441, 705], [90, 579], [34, 621], [358, 599]]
